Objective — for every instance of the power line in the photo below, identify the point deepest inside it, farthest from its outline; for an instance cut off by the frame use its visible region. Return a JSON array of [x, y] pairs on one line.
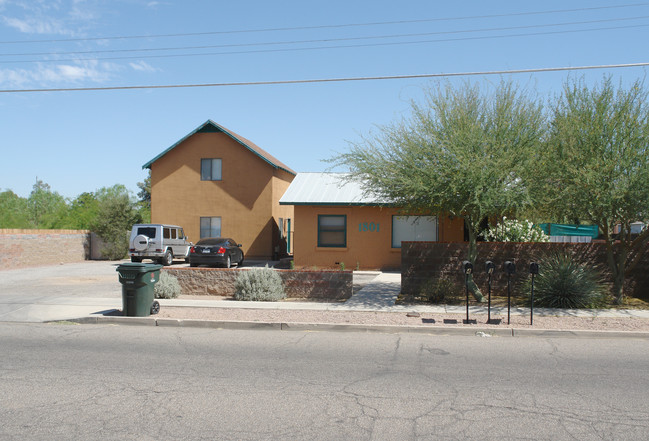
[[334, 80], [325, 40], [334, 26], [302, 49]]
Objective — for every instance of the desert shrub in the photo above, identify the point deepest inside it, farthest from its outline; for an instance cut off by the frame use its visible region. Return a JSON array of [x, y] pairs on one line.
[[167, 287], [437, 290], [566, 283], [260, 284]]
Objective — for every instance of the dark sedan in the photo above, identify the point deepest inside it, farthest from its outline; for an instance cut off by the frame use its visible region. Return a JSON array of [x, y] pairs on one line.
[[216, 251]]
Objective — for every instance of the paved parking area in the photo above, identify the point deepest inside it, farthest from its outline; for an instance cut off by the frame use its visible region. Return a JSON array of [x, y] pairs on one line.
[[60, 292]]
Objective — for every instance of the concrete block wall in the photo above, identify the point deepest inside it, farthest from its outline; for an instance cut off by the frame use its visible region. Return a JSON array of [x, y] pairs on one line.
[[299, 284], [25, 248], [421, 261]]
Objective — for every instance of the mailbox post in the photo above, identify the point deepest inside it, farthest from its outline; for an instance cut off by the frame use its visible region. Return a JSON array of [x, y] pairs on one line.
[[489, 268], [510, 268], [467, 269], [534, 270]]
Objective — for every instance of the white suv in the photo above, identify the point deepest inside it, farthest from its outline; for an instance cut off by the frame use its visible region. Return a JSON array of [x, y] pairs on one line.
[[158, 242]]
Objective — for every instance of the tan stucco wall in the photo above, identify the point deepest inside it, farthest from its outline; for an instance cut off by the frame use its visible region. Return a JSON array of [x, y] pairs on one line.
[[280, 183], [245, 198], [367, 249]]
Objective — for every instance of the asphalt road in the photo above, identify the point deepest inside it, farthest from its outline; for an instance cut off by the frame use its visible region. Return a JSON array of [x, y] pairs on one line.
[[65, 381]]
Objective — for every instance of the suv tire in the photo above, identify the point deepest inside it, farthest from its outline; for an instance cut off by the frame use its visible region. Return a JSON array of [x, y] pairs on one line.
[[168, 258]]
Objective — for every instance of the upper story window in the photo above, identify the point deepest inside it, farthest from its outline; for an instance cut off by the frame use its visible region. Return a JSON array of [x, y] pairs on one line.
[[332, 231], [210, 169]]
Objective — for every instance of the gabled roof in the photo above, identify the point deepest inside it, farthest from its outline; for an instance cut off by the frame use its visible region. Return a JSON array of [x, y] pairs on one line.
[[211, 127], [326, 189]]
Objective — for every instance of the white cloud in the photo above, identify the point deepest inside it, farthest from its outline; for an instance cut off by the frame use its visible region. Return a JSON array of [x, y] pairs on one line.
[[49, 17], [142, 66], [60, 75], [37, 25]]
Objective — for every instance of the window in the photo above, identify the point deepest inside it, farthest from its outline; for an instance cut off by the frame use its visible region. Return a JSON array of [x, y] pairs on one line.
[[332, 231], [147, 231], [174, 233], [166, 233], [210, 227], [210, 169], [413, 228]]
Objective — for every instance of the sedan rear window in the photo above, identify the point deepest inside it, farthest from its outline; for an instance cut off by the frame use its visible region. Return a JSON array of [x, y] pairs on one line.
[[211, 241]]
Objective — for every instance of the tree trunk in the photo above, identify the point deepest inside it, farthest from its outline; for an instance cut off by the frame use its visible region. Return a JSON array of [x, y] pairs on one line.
[[473, 255], [616, 256]]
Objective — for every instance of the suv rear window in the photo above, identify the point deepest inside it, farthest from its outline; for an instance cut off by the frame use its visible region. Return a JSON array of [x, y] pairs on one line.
[[147, 231]]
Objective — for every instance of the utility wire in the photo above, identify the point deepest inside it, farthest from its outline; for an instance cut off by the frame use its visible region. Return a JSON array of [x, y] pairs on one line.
[[302, 49], [335, 26], [334, 80], [326, 40]]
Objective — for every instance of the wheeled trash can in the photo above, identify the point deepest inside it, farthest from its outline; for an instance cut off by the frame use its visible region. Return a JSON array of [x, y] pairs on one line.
[[138, 281]]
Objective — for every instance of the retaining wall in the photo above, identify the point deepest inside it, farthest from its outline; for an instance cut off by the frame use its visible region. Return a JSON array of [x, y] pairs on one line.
[[421, 261], [24, 248], [299, 284]]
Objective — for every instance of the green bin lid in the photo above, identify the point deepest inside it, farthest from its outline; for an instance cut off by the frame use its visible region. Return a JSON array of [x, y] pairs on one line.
[[138, 267]]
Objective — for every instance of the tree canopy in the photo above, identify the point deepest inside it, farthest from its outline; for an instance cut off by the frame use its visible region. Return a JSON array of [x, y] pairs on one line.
[[595, 166], [461, 153]]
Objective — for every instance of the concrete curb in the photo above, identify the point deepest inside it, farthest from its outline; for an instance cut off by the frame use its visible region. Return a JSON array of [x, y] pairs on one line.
[[337, 327]]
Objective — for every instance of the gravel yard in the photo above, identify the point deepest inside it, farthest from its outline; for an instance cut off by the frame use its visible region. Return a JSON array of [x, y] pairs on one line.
[[402, 319]]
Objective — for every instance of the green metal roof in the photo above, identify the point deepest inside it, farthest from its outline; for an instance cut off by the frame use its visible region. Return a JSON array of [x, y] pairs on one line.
[[211, 127]]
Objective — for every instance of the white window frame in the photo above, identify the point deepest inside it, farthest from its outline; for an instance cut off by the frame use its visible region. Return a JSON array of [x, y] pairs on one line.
[[413, 229]]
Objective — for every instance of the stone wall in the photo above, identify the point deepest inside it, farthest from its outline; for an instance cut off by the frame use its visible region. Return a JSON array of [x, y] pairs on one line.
[[24, 248], [299, 284], [421, 261]]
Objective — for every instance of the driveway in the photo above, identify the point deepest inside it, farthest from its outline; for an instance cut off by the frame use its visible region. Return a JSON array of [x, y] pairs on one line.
[[60, 292]]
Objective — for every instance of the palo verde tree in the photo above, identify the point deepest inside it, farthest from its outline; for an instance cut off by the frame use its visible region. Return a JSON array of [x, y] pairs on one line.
[[461, 153], [596, 166]]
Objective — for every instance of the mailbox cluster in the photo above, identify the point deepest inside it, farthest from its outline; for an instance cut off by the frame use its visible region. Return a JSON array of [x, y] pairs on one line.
[[509, 268]]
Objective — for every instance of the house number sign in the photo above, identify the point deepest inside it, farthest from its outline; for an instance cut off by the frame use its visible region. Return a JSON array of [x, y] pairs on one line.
[[368, 226]]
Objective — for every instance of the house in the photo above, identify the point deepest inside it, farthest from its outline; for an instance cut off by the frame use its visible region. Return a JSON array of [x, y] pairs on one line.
[[335, 223], [214, 182]]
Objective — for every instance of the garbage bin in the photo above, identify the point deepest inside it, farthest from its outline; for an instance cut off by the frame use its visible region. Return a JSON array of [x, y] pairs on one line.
[[138, 281]]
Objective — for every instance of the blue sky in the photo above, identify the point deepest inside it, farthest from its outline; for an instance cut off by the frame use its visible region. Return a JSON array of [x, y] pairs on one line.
[[79, 141]]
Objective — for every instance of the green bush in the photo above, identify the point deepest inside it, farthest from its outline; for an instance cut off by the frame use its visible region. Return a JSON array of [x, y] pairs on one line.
[[167, 287], [259, 284], [566, 283], [439, 289]]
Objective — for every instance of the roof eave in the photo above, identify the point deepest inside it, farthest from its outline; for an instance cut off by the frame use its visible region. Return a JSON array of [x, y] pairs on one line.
[[227, 132]]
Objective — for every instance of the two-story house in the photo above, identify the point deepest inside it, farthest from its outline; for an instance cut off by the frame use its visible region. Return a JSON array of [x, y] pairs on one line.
[[216, 183]]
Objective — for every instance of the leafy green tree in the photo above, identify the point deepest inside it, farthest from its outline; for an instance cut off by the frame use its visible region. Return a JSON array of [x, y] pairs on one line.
[[83, 211], [116, 215], [13, 211], [596, 167], [461, 153], [47, 209], [145, 198]]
